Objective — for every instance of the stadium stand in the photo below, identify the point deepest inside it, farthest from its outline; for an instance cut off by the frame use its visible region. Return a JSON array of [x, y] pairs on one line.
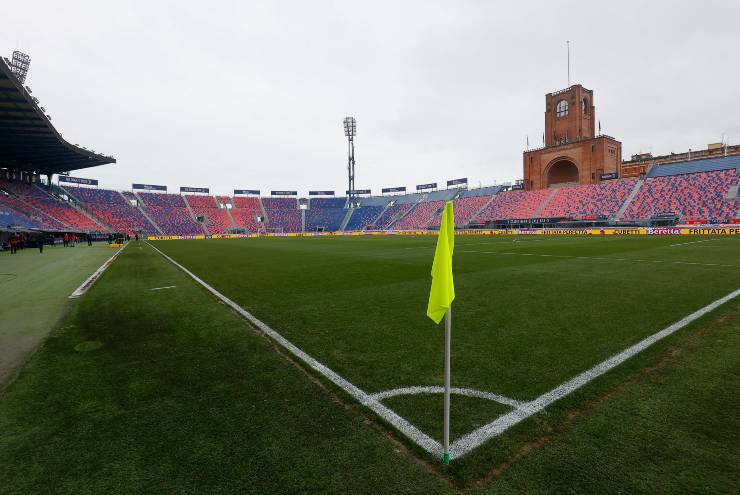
[[701, 196], [392, 214], [13, 212], [162, 199], [26, 215], [363, 217], [325, 214], [420, 217], [170, 212], [590, 201], [112, 209], [513, 204], [465, 209], [283, 213], [217, 219], [66, 215], [694, 166], [481, 191], [245, 212], [280, 203]]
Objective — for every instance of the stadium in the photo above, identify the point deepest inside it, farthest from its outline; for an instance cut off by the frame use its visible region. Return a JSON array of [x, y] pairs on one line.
[[167, 338]]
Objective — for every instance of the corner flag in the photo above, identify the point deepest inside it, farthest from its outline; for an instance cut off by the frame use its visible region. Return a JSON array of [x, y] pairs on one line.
[[440, 303], [443, 287]]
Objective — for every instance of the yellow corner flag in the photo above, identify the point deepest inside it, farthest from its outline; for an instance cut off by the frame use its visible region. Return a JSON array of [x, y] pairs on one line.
[[443, 288]]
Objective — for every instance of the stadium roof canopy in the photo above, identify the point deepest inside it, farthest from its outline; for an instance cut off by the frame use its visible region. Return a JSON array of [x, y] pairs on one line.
[[28, 141]]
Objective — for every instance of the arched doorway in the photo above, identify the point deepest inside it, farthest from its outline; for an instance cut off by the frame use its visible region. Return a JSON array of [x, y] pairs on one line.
[[563, 171]]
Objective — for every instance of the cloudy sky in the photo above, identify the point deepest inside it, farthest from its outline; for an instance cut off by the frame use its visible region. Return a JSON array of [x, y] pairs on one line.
[[251, 94]]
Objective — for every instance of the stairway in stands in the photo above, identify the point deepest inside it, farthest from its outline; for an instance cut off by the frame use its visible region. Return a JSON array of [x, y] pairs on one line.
[[629, 199], [544, 203], [139, 204]]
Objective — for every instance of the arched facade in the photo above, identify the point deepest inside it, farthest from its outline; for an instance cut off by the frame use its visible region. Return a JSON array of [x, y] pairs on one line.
[[561, 171]]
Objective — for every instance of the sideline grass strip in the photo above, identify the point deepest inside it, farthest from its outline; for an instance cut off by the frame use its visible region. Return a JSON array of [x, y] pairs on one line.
[[35, 287]]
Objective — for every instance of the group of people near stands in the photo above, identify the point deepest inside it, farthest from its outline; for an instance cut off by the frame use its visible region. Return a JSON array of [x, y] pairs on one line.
[[69, 240], [22, 240]]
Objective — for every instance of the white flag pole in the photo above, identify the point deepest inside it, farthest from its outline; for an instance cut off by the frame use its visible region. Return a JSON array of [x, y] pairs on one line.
[[448, 339]]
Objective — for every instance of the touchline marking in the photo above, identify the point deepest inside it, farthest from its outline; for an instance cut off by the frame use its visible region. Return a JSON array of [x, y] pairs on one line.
[[598, 258], [162, 288], [96, 274], [474, 439], [468, 392], [412, 432]]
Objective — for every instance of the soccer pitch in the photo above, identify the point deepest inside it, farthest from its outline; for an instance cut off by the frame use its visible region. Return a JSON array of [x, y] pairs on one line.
[[532, 318]]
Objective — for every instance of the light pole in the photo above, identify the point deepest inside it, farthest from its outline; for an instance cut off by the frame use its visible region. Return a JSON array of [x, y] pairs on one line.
[[350, 130]]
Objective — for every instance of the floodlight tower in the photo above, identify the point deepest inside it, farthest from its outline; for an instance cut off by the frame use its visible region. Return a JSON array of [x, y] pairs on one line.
[[350, 130], [19, 66]]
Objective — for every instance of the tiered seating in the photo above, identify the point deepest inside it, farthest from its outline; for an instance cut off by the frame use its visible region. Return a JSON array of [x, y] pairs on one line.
[[244, 212], [327, 203], [693, 196], [110, 208], [170, 213], [162, 199], [513, 204], [10, 216], [217, 219], [282, 213], [27, 215], [391, 214], [327, 213], [65, 214], [420, 217], [590, 201], [465, 208], [362, 217]]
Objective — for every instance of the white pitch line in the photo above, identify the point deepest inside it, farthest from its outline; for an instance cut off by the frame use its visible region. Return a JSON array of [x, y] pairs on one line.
[[96, 274], [474, 439], [468, 392], [691, 242], [412, 432], [162, 288], [598, 258]]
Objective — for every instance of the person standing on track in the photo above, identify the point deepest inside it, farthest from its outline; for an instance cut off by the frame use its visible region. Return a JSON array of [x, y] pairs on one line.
[[66, 239], [89, 239], [40, 242], [13, 244]]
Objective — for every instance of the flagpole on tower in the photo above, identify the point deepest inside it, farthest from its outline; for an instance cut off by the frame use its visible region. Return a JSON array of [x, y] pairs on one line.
[[567, 42], [448, 340]]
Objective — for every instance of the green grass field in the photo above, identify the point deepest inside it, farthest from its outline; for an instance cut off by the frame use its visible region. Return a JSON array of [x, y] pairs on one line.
[[173, 391], [35, 287]]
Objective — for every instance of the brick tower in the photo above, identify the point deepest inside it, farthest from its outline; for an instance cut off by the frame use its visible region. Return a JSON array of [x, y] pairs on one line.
[[573, 152]]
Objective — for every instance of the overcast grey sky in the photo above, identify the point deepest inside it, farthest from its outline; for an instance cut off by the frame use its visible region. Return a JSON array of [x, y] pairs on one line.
[[251, 94]]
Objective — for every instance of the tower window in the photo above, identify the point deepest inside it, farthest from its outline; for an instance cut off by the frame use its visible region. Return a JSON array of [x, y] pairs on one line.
[[561, 110], [585, 106]]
